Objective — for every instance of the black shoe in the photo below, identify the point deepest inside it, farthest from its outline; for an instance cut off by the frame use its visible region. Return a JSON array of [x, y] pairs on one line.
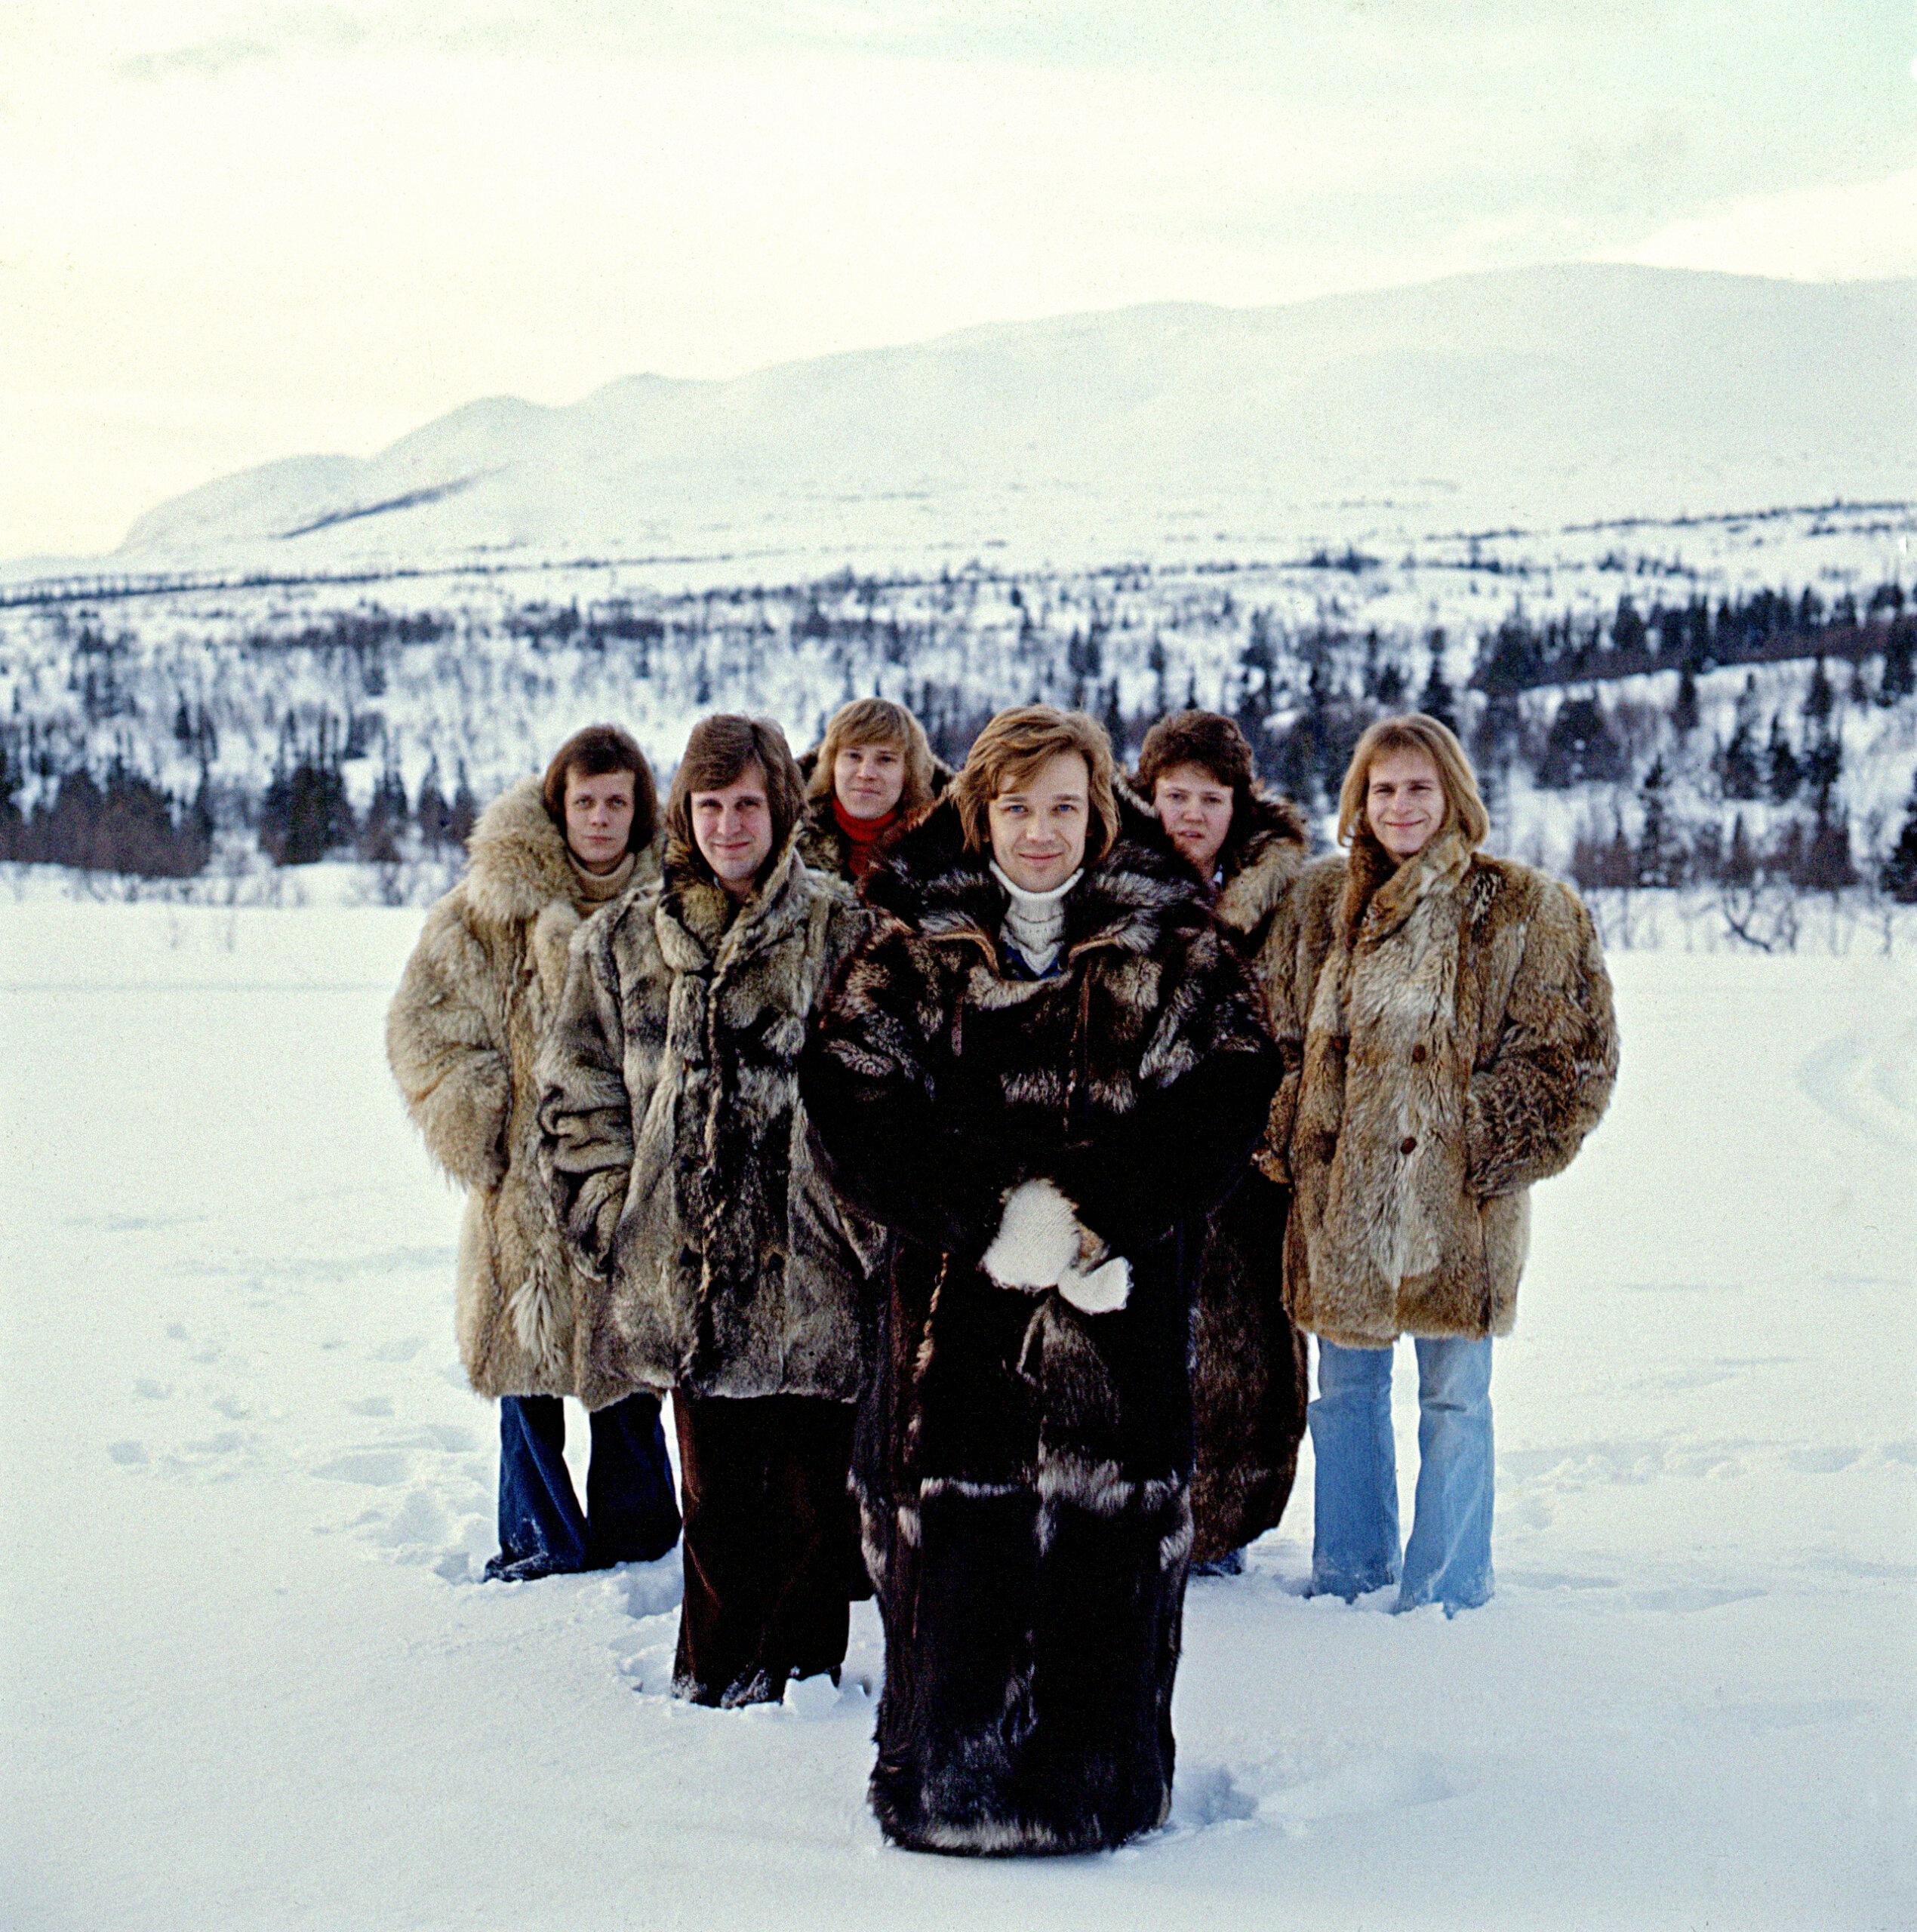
[[600, 1556], [503, 1569], [1232, 1564]]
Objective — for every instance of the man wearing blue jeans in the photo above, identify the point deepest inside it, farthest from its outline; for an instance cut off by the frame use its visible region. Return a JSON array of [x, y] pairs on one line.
[[1355, 1546], [630, 1514]]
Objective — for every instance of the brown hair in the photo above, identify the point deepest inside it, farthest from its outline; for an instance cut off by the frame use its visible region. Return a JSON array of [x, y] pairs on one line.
[[595, 752], [1414, 731], [720, 751], [1205, 739], [1010, 752], [876, 721]]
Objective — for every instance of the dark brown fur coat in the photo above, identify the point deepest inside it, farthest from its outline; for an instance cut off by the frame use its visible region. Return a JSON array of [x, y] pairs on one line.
[[720, 1260], [462, 1034], [1449, 1039], [1024, 1465], [1249, 1385]]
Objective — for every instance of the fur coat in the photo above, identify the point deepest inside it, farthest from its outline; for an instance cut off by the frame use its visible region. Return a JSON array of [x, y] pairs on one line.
[[1249, 1384], [462, 1034], [1023, 1462], [1449, 1039], [720, 1261]]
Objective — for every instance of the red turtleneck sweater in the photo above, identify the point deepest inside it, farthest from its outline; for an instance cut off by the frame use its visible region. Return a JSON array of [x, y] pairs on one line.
[[862, 834]]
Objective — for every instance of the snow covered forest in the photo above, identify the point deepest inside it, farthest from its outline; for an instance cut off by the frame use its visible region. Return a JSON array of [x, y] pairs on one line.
[[1707, 719]]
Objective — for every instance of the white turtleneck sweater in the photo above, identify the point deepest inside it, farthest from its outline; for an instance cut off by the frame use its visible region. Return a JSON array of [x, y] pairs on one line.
[[1035, 921]]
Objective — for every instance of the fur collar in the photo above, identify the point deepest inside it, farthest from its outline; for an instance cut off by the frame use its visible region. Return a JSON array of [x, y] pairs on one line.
[[1264, 853], [1130, 899], [519, 862], [697, 929], [1380, 894]]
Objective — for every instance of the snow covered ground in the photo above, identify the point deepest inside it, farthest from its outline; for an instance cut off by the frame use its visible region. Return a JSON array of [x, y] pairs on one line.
[[247, 1679]]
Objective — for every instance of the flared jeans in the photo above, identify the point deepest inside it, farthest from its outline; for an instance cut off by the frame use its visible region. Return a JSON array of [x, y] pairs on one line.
[[1355, 1545], [630, 1516]]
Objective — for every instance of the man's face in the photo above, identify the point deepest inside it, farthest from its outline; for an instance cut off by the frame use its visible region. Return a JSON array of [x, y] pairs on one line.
[[599, 817], [733, 830], [1038, 831], [1404, 801], [868, 779], [1195, 810]]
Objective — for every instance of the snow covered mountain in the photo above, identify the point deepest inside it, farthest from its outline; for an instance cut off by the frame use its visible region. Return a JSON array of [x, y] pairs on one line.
[[1530, 396]]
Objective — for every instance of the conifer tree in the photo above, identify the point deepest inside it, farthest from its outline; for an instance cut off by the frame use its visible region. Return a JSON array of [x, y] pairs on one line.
[[1737, 768], [1899, 875], [1784, 773], [1739, 865], [1899, 678], [1818, 699], [430, 808], [1435, 700], [463, 813], [1684, 711], [1659, 861]]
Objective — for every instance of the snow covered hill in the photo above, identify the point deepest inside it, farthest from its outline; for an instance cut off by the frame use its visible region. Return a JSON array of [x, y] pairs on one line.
[[250, 1681], [1560, 392]]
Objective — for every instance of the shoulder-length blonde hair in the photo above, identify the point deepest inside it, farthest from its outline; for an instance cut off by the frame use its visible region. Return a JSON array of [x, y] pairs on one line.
[[1010, 751], [1414, 731], [876, 721]]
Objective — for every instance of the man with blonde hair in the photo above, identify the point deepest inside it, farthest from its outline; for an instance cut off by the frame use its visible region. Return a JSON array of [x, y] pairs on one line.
[[873, 774], [1043, 1064], [1448, 1037]]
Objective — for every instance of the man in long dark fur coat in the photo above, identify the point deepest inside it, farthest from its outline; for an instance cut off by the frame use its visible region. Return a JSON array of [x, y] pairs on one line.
[[1249, 1384], [1037, 1117]]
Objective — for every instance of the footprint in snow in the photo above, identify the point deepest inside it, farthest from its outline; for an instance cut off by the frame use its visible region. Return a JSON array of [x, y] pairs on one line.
[[1357, 1790], [651, 1589], [378, 1468], [417, 1531], [1687, 1599], [129, 1454], [1205, 1795]]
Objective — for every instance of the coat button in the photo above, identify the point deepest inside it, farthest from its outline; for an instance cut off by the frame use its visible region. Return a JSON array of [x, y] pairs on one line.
[[1405, 1145], [1417, 1052]]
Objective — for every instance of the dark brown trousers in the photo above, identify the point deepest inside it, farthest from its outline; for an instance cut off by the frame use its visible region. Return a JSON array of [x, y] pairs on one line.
[[768, 1522]]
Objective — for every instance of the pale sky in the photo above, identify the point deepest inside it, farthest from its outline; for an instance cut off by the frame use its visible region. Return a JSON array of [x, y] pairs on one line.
[[231, 233]]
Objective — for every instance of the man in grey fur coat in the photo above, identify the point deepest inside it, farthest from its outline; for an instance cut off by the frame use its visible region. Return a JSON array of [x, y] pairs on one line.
[[721, 1267]]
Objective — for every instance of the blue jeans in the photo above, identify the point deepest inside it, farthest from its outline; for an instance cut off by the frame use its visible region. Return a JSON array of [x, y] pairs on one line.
[[1355, 1544], [630, 1514]]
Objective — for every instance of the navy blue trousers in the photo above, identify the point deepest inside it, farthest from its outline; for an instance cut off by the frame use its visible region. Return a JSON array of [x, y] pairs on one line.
[[631, 1515]]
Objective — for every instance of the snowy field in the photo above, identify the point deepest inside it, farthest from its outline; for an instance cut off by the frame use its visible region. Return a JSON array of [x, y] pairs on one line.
[[249, 1680]]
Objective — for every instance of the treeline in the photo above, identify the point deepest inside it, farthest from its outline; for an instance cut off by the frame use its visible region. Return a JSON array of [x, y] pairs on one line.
[[1701, 634], [120, 822]]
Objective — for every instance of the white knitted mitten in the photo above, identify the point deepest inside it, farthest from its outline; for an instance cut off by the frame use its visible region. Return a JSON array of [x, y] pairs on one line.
[[1103, 1290], [1038, 1237]]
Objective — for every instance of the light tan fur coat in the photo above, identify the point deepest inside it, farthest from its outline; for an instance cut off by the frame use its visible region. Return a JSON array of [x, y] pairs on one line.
[[1449, 1039], [722, 1262], [462, 1034]]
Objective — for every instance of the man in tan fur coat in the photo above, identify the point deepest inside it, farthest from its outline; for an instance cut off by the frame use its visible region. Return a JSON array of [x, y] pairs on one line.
[[461, 1036], [1449, 1038]]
